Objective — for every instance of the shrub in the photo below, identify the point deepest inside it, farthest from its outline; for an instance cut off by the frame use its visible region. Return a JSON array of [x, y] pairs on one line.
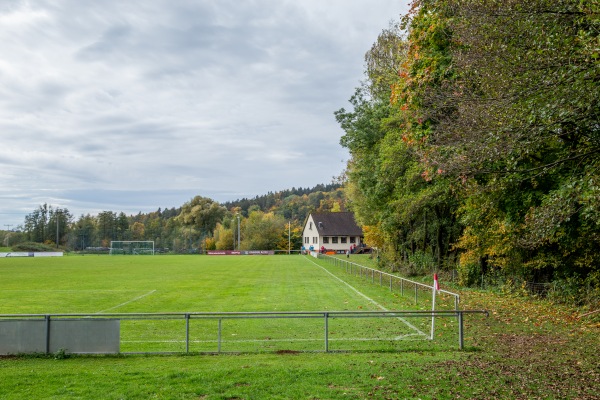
[[469, 273], [31, 246], [576, 291]]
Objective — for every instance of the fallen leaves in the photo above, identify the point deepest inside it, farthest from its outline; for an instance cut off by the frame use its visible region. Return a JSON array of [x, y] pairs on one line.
[[529, 349]]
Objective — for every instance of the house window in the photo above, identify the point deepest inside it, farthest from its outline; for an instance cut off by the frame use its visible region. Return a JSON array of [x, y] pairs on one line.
[[306, 240], [325, 239], [315, 239], [352, 239], [310, 226], [334, 239], [344, 239]]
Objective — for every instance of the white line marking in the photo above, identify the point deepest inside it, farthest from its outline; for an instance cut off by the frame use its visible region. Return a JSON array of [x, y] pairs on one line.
[[367, 297], [127, 302], [397, 338], [70, 290]]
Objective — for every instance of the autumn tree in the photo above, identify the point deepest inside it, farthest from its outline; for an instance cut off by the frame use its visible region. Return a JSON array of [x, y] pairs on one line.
[[262, 231], [290, 237], [59, 222], [223, 237], [106, 223], [36, 224], [46, 222], [495, 104], [83, 233], [406, 208], [518, 124], [138, 231], [201, 214]]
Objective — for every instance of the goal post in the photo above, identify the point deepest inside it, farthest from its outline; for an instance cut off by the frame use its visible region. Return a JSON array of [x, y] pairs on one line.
[[132, 247]]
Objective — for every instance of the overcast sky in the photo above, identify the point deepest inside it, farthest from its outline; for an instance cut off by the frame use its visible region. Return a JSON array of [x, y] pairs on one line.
[[120, 105]]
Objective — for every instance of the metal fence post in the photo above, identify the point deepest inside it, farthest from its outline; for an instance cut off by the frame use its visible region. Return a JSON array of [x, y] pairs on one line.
[[416, 294], [326, 332], [219, 336], [47, 334], [460, 330], [187, 333]]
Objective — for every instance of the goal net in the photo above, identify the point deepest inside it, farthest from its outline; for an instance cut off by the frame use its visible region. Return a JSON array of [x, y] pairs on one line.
[[132, 247]]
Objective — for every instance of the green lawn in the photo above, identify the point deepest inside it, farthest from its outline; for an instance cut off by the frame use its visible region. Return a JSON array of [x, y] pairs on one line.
[[243, 376], [92, 284], [526, 349], [191, 284]]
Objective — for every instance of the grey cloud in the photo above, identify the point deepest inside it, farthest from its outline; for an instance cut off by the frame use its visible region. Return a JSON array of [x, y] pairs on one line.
[[132, 105], [113, 41]]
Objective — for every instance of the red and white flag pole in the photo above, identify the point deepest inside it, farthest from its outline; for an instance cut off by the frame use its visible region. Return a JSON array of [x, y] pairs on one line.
[[436, 288]]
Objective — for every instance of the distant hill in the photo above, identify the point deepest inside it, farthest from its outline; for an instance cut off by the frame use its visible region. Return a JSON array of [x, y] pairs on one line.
[[294, 203]]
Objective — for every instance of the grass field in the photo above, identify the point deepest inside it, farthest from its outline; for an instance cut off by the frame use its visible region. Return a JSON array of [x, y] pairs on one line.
[[95, 284], [526, 349], [100, 285]]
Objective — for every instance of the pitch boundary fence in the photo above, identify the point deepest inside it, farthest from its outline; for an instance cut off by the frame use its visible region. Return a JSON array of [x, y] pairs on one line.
[[405, 286], [220, 318]]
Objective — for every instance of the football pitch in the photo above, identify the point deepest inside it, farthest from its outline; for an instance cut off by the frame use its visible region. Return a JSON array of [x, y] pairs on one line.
[[105, 285]]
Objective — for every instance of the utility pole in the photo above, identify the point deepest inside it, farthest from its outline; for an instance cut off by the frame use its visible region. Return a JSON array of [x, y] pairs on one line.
[[238, 218]]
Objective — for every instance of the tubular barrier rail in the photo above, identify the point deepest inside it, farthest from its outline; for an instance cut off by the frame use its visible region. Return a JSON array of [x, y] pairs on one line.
[[402, 284], [18, 331]]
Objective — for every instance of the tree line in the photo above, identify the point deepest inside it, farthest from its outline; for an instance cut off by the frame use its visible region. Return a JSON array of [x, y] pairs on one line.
[[270, 222], [475, 140]]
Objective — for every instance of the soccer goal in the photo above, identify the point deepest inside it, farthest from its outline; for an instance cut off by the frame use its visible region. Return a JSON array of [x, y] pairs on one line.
[[132, 247]]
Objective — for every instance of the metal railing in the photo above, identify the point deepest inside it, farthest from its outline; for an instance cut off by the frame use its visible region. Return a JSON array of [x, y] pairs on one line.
[[191, 319], [403, 285]]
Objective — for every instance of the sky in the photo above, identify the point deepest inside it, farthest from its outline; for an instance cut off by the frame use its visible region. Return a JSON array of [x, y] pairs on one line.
[[128, 106]]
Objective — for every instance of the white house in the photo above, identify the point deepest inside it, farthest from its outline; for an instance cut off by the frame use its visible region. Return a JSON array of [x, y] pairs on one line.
[[334, 231]]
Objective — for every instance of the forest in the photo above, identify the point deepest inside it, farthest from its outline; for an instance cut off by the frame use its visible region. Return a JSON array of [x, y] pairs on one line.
[[475, 142], [268, 222]]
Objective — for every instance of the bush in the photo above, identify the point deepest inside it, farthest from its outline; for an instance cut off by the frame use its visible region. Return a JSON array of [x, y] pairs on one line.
[[31, 246], [420, 263], [576, 291], [469, 273]]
